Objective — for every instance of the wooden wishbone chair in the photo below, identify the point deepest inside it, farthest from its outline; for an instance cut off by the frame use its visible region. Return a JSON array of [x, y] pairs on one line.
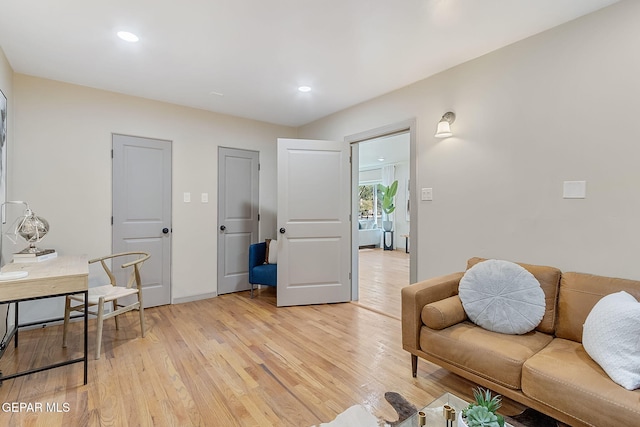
[[110, 293]]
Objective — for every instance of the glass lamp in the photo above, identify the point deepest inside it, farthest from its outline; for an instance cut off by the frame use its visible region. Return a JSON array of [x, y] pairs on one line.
[[30, 227]]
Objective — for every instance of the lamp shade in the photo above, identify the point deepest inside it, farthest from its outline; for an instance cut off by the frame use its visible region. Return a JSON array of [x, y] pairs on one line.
[[444, 129], [444, 125]]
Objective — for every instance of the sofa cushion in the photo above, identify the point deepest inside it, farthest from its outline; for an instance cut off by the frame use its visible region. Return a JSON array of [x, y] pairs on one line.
[[562, 375], [611, 336], [444, 313], [502, 296], [497, 357], [579, 292], [549, 278]]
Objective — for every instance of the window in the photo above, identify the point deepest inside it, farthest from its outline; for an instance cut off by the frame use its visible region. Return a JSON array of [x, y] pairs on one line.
[[370, 203]]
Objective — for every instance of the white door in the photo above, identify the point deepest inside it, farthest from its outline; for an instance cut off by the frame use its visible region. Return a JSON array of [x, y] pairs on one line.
[[237, 216], [314, 202], [142, 210]]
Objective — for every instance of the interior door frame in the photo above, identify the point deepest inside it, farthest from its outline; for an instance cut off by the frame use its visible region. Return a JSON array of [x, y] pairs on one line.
[[408, 126]]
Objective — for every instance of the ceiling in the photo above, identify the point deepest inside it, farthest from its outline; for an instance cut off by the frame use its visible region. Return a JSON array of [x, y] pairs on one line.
[[387, 150], [248, 57]]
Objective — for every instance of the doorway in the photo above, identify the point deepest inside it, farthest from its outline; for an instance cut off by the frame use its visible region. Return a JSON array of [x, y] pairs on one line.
[[383, 256], [381, 156]]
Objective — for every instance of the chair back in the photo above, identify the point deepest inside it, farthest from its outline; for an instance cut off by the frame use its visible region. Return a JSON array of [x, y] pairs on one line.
[[134, 276]]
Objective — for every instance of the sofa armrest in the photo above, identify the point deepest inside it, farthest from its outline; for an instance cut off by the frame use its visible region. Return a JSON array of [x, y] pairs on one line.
[[257, 252], [416, 296]]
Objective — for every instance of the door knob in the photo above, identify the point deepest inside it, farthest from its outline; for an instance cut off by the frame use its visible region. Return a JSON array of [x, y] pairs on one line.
[[223, 227], [165, 230], [282, 230]]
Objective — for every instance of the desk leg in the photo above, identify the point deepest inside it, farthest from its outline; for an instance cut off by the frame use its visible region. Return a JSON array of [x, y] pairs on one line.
[[15, 338], [86, 342]]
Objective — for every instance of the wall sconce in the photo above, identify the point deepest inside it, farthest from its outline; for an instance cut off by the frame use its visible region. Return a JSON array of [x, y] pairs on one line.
[[444, 125]]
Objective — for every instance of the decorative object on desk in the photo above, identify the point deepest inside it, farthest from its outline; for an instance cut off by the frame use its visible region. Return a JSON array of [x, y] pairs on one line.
[[29, 226], [482, 412], [388, 193], [26, 255]]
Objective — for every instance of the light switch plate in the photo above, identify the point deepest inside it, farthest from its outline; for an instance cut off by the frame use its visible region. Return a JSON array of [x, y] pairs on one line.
[[574, 189], [204, 197], [187, 197], [427, 194]]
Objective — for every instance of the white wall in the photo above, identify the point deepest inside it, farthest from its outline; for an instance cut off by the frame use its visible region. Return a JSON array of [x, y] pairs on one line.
[[61, 165], [562, 105]]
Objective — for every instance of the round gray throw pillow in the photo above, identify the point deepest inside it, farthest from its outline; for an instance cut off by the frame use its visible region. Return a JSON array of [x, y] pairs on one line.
[[502, 296]]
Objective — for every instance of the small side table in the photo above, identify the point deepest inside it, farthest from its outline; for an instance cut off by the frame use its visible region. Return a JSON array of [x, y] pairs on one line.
[[389, 246]]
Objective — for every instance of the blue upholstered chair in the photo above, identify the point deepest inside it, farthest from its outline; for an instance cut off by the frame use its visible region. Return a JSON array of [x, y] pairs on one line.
[[259, 272]]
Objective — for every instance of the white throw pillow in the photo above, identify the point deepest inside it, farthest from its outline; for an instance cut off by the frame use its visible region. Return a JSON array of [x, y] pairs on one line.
[[502, 296], [611, 336], [273, 251]]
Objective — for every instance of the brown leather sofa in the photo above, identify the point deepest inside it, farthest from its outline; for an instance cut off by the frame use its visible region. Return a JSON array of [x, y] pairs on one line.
[[546, 369]]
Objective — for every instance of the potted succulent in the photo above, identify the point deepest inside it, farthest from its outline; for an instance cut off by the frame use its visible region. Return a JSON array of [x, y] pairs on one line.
[[482, 412], [387, 193]]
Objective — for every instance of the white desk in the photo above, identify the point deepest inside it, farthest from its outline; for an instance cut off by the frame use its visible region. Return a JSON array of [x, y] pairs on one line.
[[61, 276]]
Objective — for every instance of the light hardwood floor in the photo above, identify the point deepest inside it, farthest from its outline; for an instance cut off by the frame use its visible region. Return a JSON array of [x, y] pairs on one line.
[[225, 361], [382, 275]]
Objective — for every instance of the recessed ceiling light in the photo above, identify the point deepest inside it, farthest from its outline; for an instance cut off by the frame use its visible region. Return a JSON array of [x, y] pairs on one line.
[[304, 89], [128, 37]]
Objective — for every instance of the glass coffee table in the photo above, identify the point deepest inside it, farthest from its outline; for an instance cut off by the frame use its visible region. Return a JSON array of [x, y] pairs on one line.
[[434, 414]]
